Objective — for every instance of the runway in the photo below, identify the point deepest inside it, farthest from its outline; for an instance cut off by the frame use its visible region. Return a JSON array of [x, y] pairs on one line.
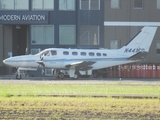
[[41, 80]]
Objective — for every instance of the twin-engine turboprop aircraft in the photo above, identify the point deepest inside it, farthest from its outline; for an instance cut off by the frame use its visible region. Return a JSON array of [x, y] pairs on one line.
[[75, 60]]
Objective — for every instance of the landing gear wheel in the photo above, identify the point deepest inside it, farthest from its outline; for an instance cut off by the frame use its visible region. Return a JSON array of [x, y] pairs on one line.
[[61, 75], [18, 76], [75, 76], [95, 74]]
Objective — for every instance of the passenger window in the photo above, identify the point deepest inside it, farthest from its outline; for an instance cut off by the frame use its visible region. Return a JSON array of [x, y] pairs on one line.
[[74, 53], [65, 53], [91, 54], [98, 54], [53, 52], [83, 53], [104, 54]]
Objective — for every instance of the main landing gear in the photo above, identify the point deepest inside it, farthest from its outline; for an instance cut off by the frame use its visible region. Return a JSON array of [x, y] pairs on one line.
[[76, 76], [61, 74], [58, 74]]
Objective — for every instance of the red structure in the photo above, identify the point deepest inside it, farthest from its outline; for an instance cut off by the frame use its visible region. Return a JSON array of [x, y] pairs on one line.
[[146, 70]]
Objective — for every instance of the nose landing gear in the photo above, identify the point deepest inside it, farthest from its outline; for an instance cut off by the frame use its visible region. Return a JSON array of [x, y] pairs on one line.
[[21, 73], [18, 75]]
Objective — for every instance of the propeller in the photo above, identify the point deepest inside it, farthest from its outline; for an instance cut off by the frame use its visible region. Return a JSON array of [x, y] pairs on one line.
[[41, 63]]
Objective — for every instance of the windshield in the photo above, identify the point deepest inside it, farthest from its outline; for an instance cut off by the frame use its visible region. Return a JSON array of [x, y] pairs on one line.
[[48, 53]]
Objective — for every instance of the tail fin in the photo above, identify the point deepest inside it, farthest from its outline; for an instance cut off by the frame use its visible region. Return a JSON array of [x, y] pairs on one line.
[[139, 43]]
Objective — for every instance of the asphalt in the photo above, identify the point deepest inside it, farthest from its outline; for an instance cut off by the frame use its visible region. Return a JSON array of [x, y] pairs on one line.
[[12, 78]]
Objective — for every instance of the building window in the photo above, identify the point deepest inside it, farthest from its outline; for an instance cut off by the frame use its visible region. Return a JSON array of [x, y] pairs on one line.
[[114, 44], [89, 35], [67, 35], [158, 4], [42, 34], [66, 4], [90, 4], [158, 47], [138, 4], [115, 4], [14, 4], [42, 4], [35, 51]]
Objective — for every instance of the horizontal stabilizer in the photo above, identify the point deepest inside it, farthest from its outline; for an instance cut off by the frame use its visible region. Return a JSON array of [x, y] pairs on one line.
[[139, 56]]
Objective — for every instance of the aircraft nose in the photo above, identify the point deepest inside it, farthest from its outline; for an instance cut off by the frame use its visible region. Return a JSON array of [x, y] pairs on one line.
[[6, 61]]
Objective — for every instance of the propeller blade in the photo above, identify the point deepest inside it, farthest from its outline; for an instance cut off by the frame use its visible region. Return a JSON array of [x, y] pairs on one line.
[[41, 64]]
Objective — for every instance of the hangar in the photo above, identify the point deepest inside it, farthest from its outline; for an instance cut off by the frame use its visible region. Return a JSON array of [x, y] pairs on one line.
[[27, 26]]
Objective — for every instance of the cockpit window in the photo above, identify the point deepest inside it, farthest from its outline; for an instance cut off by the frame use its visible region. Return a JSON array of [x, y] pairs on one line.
[[53, 52], [45, 53]]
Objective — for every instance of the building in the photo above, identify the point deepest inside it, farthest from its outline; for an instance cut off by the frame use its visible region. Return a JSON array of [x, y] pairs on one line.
[[124, 18], [27, 26]]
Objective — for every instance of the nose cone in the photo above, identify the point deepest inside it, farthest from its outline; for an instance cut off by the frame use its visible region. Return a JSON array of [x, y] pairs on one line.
[[4, 61], [7, 61]]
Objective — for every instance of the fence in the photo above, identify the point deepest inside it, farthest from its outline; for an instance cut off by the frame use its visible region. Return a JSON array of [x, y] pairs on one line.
[[147, 70]]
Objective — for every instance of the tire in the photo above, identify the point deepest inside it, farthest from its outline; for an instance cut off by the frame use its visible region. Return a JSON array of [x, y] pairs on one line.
[[61, 76], [18, 77], [76, 76], [95, 74]]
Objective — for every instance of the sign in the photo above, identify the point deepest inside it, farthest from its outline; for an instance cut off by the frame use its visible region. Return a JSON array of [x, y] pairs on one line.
[[10, 54], [27, 17]]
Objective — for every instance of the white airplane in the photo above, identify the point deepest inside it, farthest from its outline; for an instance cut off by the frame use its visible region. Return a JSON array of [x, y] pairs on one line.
[[75, 60]]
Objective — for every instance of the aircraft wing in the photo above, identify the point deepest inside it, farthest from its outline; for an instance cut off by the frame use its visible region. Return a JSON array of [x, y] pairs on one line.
[[82, 65], [25, 69], [139, 56]]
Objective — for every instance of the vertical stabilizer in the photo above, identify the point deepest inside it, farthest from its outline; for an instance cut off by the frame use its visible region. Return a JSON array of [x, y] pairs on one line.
[[140, 43]]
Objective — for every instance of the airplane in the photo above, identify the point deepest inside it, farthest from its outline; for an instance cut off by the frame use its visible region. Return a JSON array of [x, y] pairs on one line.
[[75, 60]]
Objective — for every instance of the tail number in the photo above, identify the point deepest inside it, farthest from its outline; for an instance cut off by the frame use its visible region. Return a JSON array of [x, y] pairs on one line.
[[133, 50]]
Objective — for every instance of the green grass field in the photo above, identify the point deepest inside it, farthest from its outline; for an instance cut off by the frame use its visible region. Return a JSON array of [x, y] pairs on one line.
[[30, 106], [86, 89]]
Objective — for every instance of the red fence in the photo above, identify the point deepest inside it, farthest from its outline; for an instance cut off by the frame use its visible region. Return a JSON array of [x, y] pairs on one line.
[[146, 70]]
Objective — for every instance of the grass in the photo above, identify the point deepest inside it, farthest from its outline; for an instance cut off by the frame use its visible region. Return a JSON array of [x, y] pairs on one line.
[[87, 89], [78, 108], [30, 106]]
